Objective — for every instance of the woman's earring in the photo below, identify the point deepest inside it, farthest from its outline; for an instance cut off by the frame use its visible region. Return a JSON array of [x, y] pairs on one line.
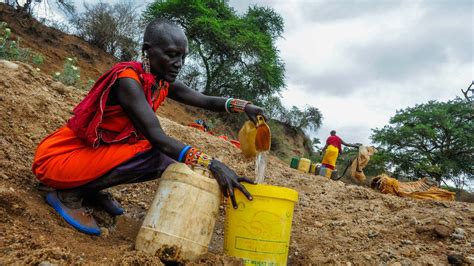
[[145, 62]]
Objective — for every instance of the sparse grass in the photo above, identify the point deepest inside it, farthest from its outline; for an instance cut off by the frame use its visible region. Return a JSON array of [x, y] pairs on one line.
[[11, 49]]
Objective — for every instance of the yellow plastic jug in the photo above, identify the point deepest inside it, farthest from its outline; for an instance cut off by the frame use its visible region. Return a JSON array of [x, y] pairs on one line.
[[180, 222], [324, 171], [247, 139], [312, 169], [304, 165], [254, 137], [259, 230]]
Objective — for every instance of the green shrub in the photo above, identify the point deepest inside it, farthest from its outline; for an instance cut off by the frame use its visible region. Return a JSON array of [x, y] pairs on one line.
[[37, 59], [71, 73], [11, 50]]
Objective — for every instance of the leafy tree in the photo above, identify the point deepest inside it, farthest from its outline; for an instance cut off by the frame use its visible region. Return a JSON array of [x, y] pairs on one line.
[[434, 139], [112, 28], [236, 53], [274, 107], [310, 118]]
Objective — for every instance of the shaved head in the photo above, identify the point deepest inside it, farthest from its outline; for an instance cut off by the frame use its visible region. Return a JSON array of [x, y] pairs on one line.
[[157, 29], [165, 46]]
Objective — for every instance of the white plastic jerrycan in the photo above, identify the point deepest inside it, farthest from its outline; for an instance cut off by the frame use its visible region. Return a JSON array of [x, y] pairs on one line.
[[179, 224]]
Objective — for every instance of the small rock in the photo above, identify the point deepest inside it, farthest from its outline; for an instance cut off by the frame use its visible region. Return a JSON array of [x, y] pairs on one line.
[[372, 234], [469, 260], [46, 263], [4, 176], [387, 255], [338, 223], [104, 232], [413, 221], [296, 253], [443, 230], [367, 257], [407, 242], [9, 64], [396, 264], [443, 221], [458, 233], [318, 224], [423, 229], [455, 259]]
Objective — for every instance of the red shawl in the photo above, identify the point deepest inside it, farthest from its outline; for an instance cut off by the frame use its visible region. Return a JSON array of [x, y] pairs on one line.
[[334, 141], [88, 113]]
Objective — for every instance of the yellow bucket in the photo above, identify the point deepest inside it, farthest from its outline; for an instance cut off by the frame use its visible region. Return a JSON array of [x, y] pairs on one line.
[[259, 230]]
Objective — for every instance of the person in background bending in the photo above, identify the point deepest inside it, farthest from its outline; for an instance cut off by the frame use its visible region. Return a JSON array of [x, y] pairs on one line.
[[332, 149]]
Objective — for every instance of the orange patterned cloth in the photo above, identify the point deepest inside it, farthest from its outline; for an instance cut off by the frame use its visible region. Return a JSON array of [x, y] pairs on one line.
[[62, 160], [421, 189]]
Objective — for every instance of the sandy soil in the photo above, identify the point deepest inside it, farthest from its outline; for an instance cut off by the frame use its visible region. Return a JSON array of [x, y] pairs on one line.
[[334, 222]]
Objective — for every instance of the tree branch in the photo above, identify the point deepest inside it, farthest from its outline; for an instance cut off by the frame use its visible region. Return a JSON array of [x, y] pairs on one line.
[[468, 90]]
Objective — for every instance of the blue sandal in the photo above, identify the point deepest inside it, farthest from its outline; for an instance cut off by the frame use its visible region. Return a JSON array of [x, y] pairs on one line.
[[81, 219], [107, 201]]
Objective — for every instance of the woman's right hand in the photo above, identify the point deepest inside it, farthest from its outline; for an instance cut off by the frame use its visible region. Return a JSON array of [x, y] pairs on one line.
[[228, 180]]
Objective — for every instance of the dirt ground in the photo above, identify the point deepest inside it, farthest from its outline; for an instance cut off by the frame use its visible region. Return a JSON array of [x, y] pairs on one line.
[[334, 222]]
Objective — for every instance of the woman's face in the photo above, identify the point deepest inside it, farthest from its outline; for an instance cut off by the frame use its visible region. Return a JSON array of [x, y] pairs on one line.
[[167, 54]]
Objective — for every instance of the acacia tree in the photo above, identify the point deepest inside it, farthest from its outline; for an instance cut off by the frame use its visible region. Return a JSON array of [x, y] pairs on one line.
[[309, 118], [434, 139], [237, 54], [112, 28]]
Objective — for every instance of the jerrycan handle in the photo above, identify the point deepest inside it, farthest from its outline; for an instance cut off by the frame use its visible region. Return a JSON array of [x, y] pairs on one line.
[[260, 120]]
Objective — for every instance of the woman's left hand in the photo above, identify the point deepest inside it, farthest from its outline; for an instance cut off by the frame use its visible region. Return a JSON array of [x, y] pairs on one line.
[[228, 180], [252, 111]]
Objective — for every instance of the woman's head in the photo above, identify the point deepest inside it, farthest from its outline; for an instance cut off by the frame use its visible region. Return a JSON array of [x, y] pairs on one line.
[[166, 46]]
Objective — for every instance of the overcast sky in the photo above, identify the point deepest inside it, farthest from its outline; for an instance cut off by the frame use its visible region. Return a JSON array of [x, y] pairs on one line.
[[360, 61]]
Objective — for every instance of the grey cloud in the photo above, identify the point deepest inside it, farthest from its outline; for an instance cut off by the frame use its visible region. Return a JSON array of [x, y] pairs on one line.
[[331, 82], [443, 33], [329, 10]]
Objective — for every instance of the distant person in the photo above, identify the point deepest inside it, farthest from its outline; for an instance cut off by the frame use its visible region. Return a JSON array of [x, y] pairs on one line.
[[115, 137], [332, 149]]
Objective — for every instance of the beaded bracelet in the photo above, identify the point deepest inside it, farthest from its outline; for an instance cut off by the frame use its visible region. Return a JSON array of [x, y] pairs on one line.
[[235, 105], [196, 157], [227, 104], [183, 153]]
